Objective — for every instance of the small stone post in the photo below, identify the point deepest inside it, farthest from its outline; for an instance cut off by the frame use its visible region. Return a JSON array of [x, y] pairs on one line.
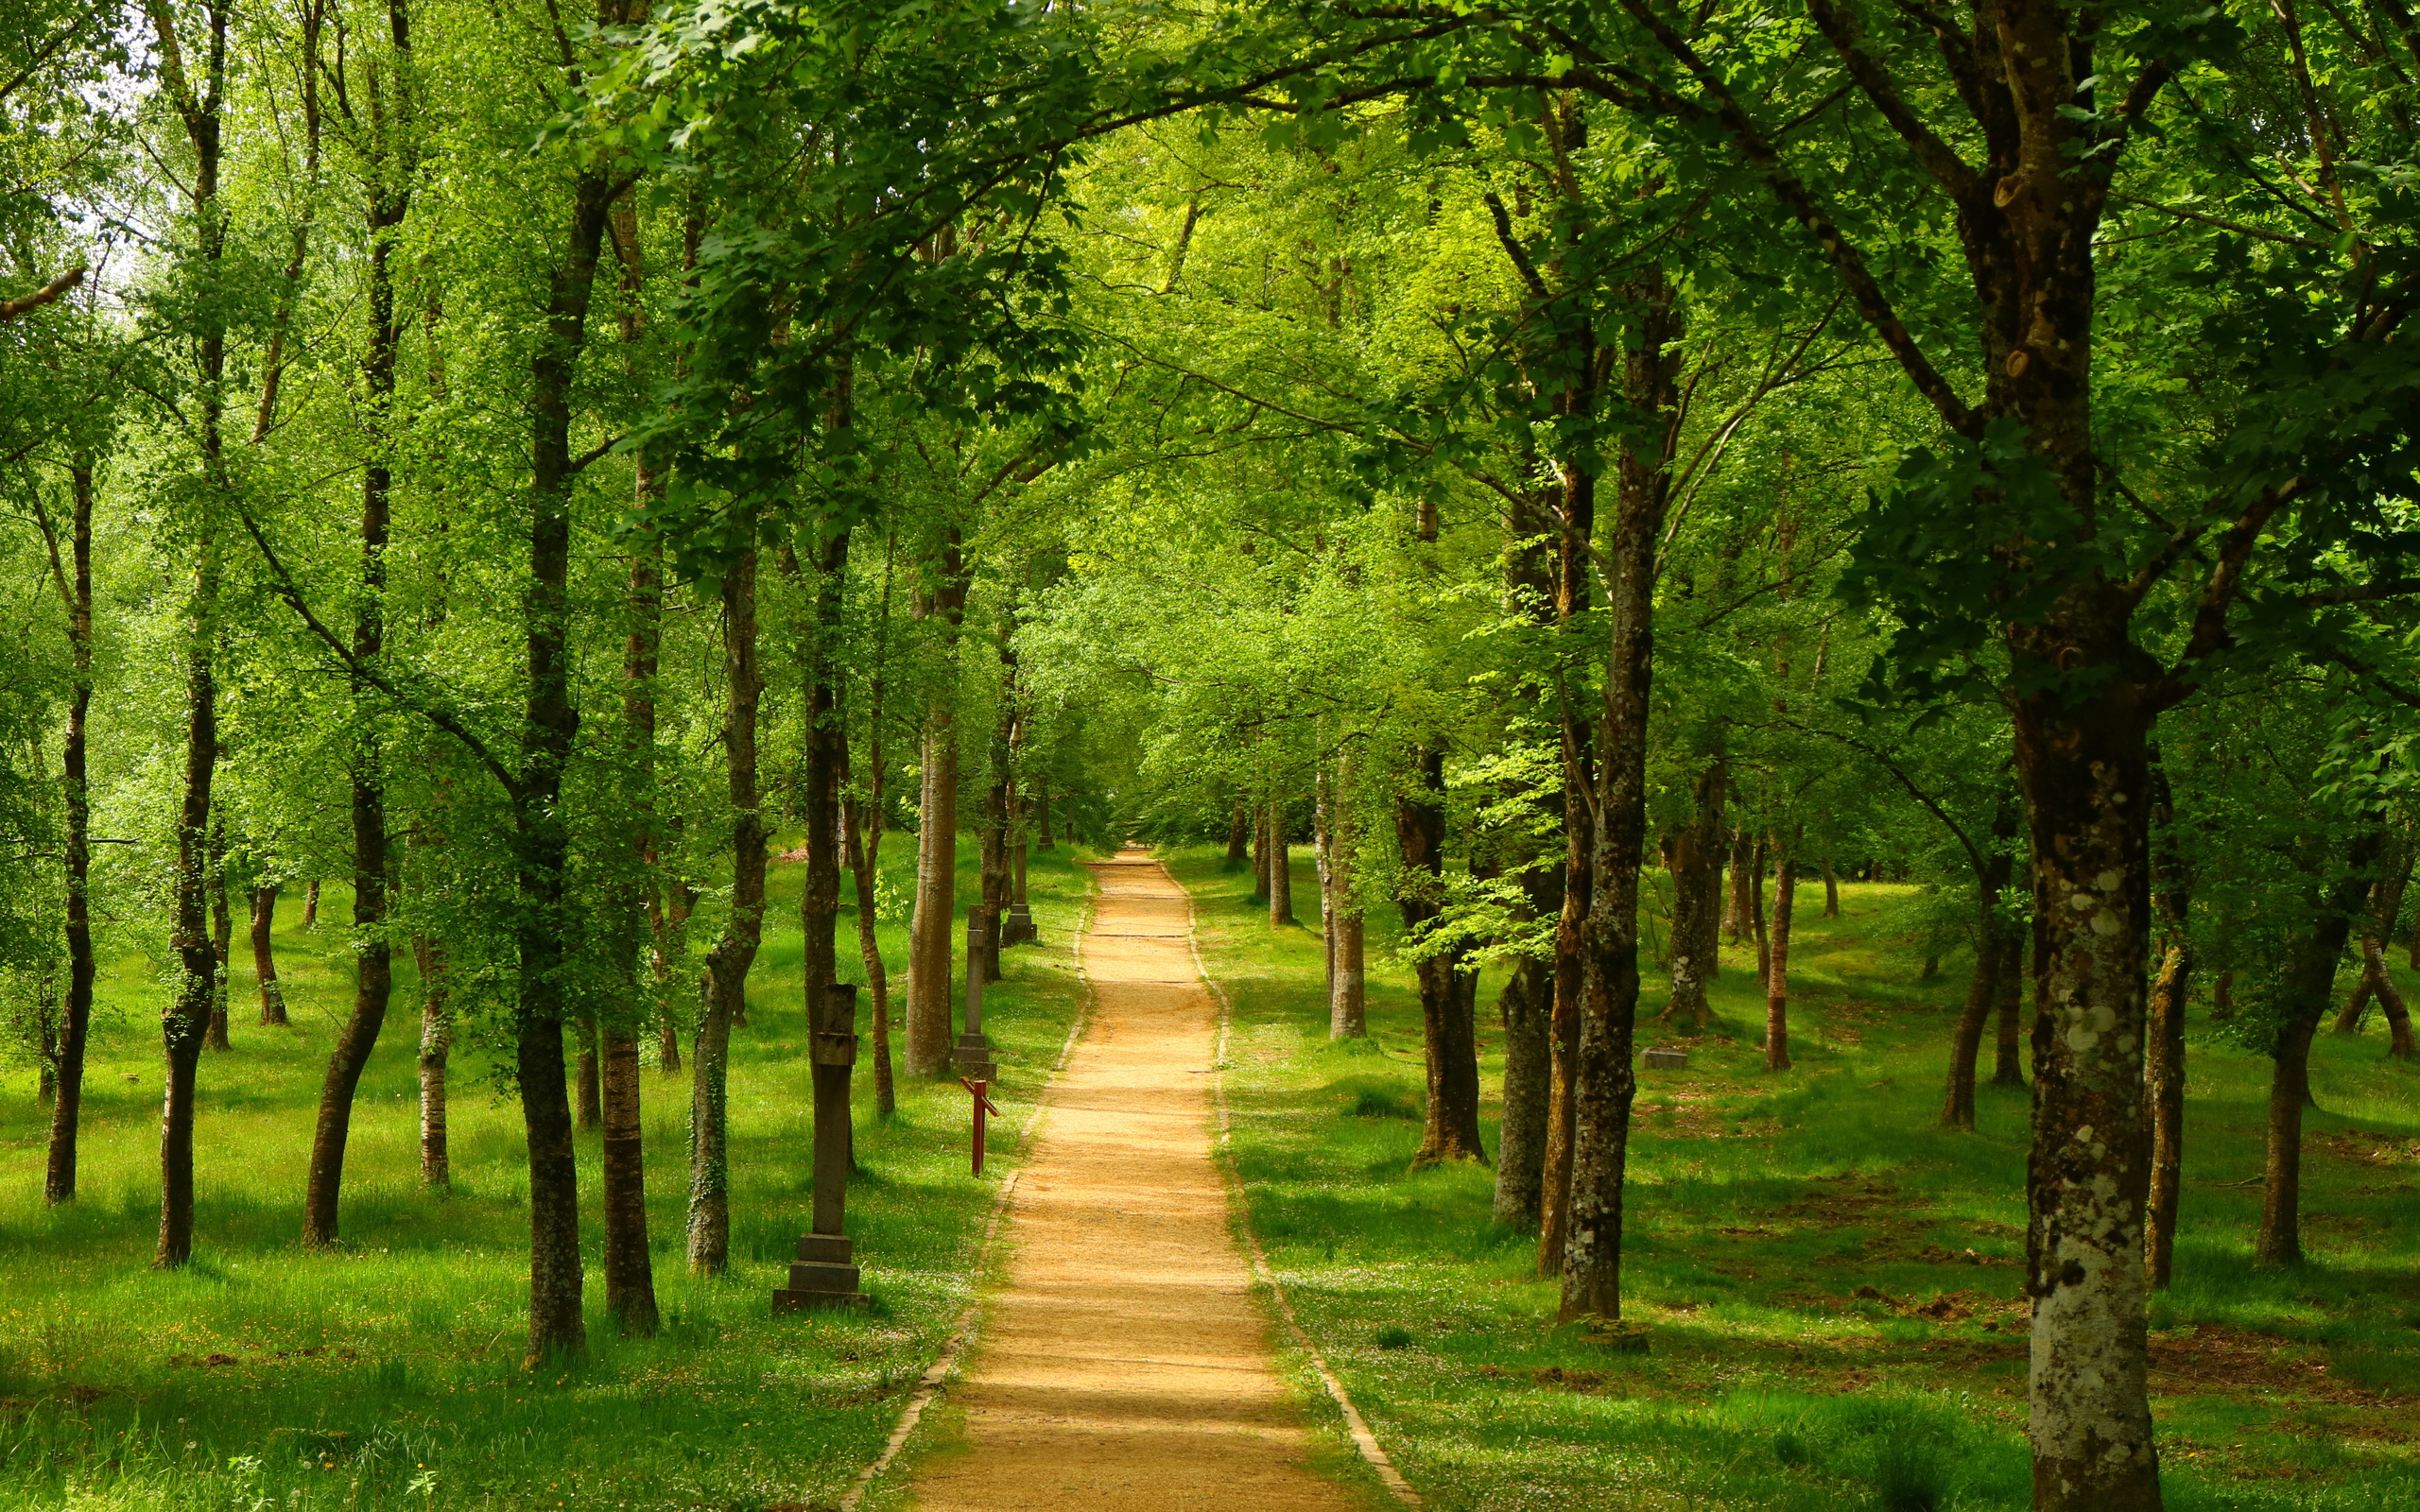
[[825, 1273], [972, 1056]]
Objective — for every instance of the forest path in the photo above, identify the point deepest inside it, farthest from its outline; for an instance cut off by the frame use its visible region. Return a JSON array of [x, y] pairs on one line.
[[1123, 1363]]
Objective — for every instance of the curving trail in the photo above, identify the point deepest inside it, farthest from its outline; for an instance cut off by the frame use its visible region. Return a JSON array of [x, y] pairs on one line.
[[1123, 1363]]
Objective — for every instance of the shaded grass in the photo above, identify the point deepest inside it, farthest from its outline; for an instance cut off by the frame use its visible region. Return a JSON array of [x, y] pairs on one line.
[[1830, 1283], [385, 1374]]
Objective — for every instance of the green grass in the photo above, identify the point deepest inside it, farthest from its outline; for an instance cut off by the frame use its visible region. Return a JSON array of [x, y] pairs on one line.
[[387, 1374], [1797, 1249]]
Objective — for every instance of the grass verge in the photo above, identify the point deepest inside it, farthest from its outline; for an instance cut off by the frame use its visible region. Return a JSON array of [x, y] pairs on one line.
[[385, 1374], [1829, 1282]]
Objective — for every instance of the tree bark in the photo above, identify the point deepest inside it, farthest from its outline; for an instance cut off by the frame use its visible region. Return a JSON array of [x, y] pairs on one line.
[[1281, 869], [630, 1265], [265, 954], [1605, 1081], [1994, 947], [2008, 1062], [1451, 1128], [931, 931], [1238, 836], [2164, 1061], [2378, 926], [1831, 892], [1526, 1007], [864, 830], [2305, 987], [992, 837], [1260, 853], [67, 1106], [436, 1045], [1778, 978], [311, 904], [551, 718], [588, 1092], [222, 935], [1763, 856], [1740, 918], [1042, 811], [2082, 762], [1574, 565], [1347, 995], [735, 952], [1697, 898]]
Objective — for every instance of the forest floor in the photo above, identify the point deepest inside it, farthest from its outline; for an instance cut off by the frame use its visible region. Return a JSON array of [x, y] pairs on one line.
[[385, 1374], [1828, 1279]]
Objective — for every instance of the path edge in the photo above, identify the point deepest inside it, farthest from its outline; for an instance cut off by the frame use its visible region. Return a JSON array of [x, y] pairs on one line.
[[937, 1374], [1373, 1452]]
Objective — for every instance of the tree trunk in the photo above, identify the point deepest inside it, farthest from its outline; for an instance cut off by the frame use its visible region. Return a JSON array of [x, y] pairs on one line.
[[436, 1045], [864, 855], [1042, 811], [1451, 1128], [67, 1106], [2378, 926], [2083, 762], [1740, 918], [1995, 966], [588, 1100], [2164, 1061], [1763, 857], [1574, 566], [1697, 899], [544, 922], [728, 962], [668, 924], [311, 904], [2008, 1062], [188, 1020], [222, 935], [1238, 836], [1322, 841], [630, 1265], [1259, 853], [1281, 869], [1527, 1007], [993, 838], [931, 931], [265, 954], [1604, 1080], [1831, 892], [1778, 979], [2305, 987]]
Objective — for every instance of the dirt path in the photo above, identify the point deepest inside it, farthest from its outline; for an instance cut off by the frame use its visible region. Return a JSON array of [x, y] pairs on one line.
[[1123, 1365]]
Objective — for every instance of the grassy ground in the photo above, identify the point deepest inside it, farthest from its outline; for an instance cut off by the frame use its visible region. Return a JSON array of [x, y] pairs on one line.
[[386, 1375], [1830, 1281]]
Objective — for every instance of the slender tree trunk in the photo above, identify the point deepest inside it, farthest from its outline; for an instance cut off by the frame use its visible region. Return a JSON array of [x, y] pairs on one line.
[[1697, 899], [931, 931], [2008, 1063], [265, 954], [1281, 869], [1831, 892], [864, 830], [1739, 920], [1042, 811], [1527, 1007], [1347, 996], [1995, 967], [66, 1109], [1451, 1132], [435, 1046], [1778, 978], [374, 971], [588, 1099], [1240, 836], [311, 904], [2378, 926], [1574, 566], [669, 923], [222, 935], [557, 1325], [1259, 853], [1320, 841], [728, 962], [630, 1265], [992, 837], [1764, 856], [2305, 985], [2164, 1059], [1604, 1080]]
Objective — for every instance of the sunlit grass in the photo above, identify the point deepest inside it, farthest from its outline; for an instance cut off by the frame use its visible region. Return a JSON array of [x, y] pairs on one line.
[[387, 1374], [1759, 1206]]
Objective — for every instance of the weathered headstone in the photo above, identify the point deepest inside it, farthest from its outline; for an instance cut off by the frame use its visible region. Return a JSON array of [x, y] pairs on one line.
[[1664, 1059], [825, 1274], [971, 1058]]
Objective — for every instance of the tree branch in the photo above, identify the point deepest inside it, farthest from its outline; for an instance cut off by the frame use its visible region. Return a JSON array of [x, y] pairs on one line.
[[10, 309]]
